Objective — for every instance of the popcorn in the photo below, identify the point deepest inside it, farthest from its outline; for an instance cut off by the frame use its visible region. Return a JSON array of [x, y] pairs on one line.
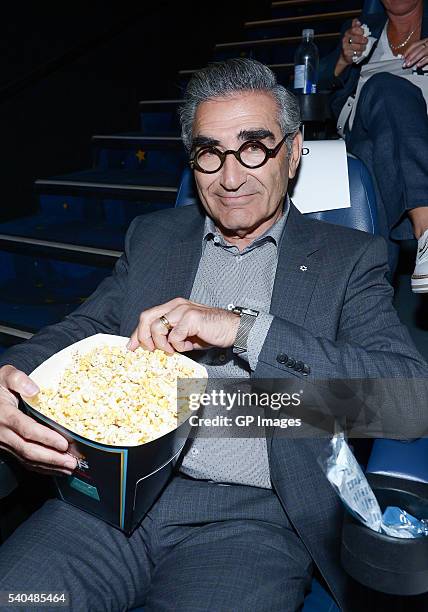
[[114, 396]]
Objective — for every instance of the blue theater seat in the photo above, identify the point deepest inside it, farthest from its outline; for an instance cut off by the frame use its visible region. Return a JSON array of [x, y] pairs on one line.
[[400, 459]]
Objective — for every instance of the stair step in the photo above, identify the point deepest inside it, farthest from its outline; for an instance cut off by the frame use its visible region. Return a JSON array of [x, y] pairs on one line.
[[322, 23], [114, 180], [272, 66], [135, 151], [166, 101], [281, 21], [40, 290], [160, 117], [30, 318], [287, 3], [342, 15], [290, 7], [280, 67], [274, 50], [100, 238], [113, 196], [14, 332], [278, 40], [135, 137], [23, 241]]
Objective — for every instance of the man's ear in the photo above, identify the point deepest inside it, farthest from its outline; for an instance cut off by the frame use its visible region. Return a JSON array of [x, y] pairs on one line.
[[296, 152]]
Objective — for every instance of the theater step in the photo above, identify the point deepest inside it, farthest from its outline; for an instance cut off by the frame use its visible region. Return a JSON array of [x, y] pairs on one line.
[[113, 196], [276, 50], [160, 117], [129, 182], [283, 72], [135, 151], [289, 8], [322, 22], [40, 290], [12, 332], [61, 234]]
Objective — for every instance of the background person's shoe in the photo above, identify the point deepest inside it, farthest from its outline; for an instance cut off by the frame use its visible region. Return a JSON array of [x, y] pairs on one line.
[[420, 275]]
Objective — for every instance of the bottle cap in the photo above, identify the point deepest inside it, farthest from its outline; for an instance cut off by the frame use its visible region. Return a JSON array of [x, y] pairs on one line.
[[309, 33]]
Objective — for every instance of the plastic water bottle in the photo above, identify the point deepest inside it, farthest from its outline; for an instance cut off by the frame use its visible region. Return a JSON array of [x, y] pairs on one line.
[[306, 60]]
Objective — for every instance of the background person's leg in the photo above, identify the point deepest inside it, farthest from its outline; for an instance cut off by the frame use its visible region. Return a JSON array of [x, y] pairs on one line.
[[224, 548], [390, 134], [60, 548]]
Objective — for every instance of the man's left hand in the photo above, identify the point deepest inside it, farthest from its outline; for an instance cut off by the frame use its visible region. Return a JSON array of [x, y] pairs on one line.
[[417, 54], [193, 326]]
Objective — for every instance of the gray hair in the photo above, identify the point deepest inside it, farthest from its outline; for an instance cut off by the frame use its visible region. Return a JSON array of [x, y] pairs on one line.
[[232, 76]]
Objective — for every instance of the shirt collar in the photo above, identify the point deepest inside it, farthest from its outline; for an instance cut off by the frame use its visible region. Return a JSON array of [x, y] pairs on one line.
[[274, 233]]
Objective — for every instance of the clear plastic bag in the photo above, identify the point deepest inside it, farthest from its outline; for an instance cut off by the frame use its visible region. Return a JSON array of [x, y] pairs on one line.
[[347, 478]]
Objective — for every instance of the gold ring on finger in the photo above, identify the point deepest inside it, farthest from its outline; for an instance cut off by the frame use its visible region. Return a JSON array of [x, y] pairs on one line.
[[165, 322]]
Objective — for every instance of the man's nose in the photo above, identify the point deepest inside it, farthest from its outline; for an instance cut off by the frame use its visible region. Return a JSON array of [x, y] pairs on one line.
[[233, 174]]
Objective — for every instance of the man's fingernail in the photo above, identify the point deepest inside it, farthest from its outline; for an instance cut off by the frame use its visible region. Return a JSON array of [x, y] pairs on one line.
[[62, 444], [30, 388], [404, 65], [70, 465]]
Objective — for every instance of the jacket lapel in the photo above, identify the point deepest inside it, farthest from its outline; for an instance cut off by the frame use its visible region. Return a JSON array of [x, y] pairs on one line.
[[299, 264], [376, 23], [182, 258], [298, 268]]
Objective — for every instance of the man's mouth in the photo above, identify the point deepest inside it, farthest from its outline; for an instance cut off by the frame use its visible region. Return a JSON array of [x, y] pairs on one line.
[[236, 199]]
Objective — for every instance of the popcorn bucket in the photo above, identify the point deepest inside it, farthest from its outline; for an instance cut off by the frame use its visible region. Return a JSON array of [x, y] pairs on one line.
[[118, 484]]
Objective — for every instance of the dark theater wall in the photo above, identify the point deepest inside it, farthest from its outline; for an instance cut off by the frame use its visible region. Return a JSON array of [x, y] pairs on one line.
[[70, 70]]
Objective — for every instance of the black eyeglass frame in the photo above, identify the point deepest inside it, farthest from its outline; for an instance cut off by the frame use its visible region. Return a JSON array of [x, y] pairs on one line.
[[269, 154]]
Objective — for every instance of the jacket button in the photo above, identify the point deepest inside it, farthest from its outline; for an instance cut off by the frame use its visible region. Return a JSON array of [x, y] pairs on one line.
[[291, 362], [282, 358], [306, 369], [299, 366]]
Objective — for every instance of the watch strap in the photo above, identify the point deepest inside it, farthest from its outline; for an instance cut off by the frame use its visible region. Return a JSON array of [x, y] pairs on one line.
[[248, 318]]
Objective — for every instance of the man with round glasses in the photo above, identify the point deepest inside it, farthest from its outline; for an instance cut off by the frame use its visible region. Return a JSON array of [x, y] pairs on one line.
[[257, 292], [251, 154]]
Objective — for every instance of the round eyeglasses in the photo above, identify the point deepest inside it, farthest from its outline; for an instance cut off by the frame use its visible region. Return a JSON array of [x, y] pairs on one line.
[[251, 154]]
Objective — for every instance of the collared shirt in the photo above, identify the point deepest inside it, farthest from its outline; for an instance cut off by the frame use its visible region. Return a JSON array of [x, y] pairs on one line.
[[227, 277]]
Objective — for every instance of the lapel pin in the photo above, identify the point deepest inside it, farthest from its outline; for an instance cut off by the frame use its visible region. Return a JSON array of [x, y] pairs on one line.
[[303, 268]]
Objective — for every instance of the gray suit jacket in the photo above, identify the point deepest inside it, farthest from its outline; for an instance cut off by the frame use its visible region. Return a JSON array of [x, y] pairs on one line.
[[336, 316]]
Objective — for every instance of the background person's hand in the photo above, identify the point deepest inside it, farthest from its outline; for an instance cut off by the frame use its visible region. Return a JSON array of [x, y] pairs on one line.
[[37, 447], [416, 54], [353, 43], [193, 326]]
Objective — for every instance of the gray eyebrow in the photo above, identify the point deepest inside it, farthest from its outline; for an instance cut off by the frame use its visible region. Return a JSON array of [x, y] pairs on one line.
[[256, 134], [204, 141]]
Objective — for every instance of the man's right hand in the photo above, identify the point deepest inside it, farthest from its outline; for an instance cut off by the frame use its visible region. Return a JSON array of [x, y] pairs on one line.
[[353, 44], [39, 448]]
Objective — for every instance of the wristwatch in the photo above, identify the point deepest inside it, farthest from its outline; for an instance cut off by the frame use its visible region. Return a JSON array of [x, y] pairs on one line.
[[248, 318]]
